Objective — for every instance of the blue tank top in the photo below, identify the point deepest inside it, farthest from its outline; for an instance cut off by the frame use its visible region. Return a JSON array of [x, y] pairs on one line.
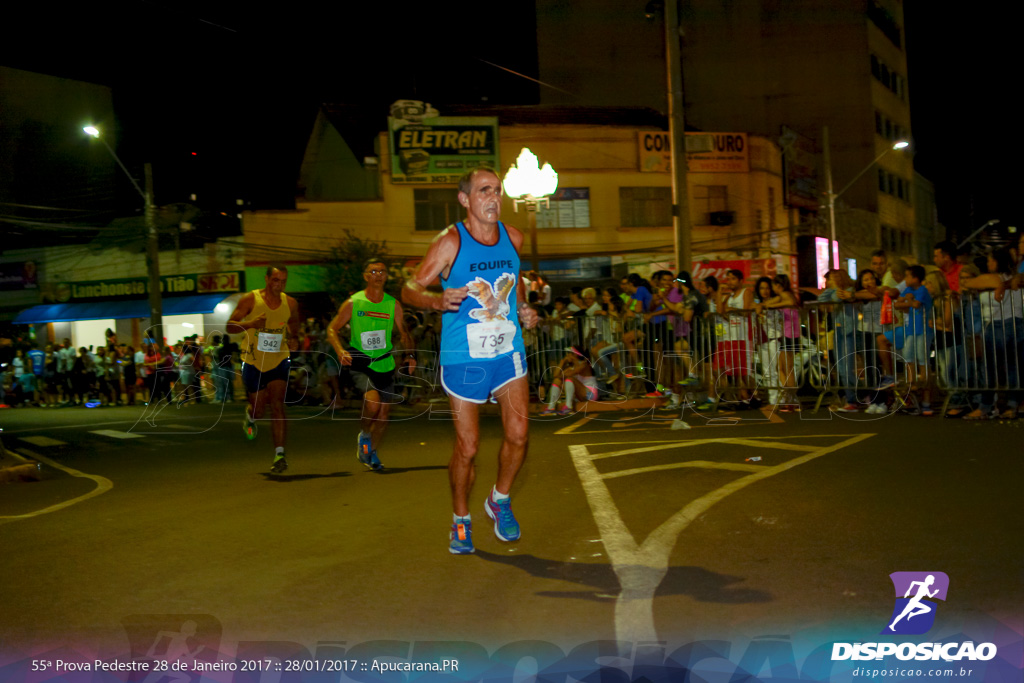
[[487, 323]]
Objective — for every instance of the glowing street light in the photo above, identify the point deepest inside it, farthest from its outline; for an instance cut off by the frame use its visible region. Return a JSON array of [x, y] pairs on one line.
[[529, 184], [832, 196], [152, 243]]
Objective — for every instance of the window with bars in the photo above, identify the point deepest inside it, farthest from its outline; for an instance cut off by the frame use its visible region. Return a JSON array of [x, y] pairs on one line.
[[436, 208], [710, 205], [645, 207]]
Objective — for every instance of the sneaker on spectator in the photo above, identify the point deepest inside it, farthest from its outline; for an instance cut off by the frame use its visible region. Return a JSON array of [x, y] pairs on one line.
[[927, 411], [886, 383], [877, 409], [848, 408], [548, 411], [689, 382], [654, 394], [565, 410], [706, 406]]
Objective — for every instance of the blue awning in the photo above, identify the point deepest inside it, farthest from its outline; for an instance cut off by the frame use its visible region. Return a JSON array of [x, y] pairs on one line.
[[102, 310]]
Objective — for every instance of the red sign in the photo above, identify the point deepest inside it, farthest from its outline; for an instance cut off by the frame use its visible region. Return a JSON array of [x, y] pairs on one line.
[[218, 282]]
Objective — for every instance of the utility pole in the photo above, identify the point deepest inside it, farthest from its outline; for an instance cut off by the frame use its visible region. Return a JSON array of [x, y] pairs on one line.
[[153, 262], [833, 248], [681, 226]]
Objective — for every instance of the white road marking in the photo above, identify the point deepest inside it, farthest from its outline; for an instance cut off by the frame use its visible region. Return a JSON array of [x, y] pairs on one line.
[[116, 434], [43, 441], [640, 568], [102, 486], [663, 422], [701, 464]]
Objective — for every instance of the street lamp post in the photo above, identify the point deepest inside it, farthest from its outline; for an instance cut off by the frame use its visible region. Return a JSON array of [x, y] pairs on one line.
[[832, 196], [529, 184], [152, 238]]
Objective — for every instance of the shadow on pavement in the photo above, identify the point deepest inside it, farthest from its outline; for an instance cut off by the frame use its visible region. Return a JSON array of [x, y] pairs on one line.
[[696, 582], [289, 478], [401, 470]]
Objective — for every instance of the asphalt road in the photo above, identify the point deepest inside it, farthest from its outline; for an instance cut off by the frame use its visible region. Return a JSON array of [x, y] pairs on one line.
[[632, 531]]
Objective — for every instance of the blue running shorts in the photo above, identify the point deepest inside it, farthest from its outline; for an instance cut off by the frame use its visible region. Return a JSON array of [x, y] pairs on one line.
[[476, 381]]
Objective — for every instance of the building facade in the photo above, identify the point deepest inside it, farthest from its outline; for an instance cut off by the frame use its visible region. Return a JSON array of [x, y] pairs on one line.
[[770, 68], [612, 209]]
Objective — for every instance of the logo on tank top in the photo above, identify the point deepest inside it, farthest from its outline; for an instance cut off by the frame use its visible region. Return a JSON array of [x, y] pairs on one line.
[[494, 300]]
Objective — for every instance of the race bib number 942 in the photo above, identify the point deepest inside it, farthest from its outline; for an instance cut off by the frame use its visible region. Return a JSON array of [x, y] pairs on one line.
[[269, 343], [487, 340]]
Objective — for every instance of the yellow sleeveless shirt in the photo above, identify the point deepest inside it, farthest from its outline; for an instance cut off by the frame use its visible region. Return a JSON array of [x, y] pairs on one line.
[[266, 347]]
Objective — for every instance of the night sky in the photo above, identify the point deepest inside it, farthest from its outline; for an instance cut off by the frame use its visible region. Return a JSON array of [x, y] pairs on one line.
[[221, 97]]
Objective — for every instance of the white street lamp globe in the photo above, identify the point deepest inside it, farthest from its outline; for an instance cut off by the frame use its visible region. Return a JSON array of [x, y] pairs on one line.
[[92, 130], [525, 178]]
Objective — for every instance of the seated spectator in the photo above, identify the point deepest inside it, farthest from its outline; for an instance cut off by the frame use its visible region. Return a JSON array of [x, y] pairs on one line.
[[574, 379]]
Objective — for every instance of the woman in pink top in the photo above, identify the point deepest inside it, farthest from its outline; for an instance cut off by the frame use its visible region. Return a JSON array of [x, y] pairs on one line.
[[786, 299]]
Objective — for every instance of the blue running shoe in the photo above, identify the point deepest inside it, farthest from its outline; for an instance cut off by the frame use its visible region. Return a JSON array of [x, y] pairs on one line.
[[363, 450], [461, 538], [374, 463], [506, 528]]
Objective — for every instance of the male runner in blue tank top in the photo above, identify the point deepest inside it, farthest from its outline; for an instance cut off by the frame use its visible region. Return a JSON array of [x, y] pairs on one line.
[[482, 352]]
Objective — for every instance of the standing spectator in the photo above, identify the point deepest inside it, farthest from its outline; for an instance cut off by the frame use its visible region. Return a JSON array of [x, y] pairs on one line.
[[769, 336], [186, 371], [65, 361], [101, 374], [917, 302], [869, 331], [944, 257], [535, 282], [50, 393], [688, 306], [1003, 328], [607, 328], [839, 287], [82, 377], [37, 364], [785, 299]]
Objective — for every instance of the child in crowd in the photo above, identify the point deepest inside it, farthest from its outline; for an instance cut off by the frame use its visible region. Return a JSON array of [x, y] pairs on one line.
[[917, 303]]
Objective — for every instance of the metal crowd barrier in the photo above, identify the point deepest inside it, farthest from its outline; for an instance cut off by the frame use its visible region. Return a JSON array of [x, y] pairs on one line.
[[969, 347]]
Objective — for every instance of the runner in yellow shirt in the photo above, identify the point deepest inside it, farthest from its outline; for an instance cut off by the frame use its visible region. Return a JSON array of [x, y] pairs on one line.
[[270, 320]]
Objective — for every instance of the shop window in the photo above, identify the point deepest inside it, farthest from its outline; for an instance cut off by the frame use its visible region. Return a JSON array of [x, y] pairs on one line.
[[645, 207], [711, 205], [436, 208]]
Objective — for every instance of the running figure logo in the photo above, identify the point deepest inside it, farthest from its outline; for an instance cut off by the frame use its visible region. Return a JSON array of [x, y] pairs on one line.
[[494, 300], [914, 614]]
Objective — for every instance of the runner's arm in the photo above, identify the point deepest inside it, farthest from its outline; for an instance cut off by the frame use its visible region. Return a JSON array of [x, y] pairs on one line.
[[294, 325], [408, 346], [438, 260], [340, 320], [244, 308]]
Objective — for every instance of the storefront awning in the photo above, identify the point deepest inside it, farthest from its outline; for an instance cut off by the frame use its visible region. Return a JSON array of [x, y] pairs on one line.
[[101, 310]]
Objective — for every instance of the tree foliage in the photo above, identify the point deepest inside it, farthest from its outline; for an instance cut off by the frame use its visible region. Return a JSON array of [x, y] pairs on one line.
[[344, 266]]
